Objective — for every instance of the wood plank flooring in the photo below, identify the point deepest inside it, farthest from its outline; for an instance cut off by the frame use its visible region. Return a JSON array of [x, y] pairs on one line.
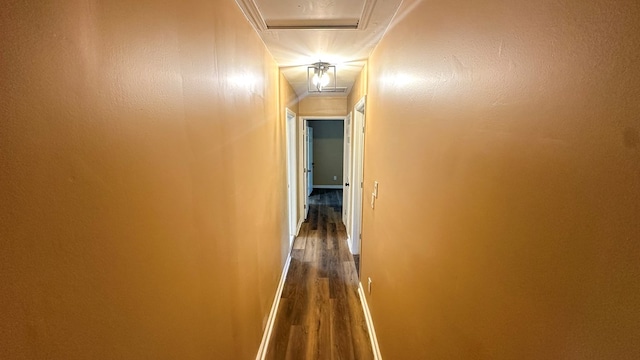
[[320, 315]]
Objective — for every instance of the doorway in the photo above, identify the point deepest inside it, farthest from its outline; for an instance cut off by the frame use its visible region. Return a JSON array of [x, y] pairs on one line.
[[323, 143]]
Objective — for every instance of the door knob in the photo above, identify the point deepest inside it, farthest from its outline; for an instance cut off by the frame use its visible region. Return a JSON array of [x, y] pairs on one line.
[[346, 184]]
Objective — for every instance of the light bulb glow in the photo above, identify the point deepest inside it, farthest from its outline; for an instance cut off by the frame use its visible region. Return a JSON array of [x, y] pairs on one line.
[[324, 80], [321, 77]]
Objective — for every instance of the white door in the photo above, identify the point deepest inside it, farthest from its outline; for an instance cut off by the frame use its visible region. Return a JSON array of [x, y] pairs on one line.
[[357, 176], [309, 160], [291, 174], [346, 186]]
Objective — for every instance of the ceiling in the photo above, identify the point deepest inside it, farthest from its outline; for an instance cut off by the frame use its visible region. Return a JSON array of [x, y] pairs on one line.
[[299, 33]]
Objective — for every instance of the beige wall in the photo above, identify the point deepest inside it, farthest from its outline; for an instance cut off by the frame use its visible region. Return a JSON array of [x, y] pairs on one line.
[[358, 90], [323, 106], [505, 137], [328, 151], [133, 223]]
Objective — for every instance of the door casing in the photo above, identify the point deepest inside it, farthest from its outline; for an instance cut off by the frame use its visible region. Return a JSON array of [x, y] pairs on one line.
[[357, 176], [346, 186], [292, 180]]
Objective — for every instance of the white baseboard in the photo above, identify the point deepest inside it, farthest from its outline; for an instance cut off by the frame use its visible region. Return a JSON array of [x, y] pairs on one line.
[[327, 186], [262, 351], [350, 244], [372, 331], [292, 239], [299, 226]]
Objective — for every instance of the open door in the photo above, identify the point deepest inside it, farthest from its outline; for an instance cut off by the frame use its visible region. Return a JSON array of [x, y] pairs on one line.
[[357, 176], [291, 175]]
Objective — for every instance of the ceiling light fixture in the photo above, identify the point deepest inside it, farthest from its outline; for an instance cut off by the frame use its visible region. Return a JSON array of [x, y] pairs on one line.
[[319, 77]]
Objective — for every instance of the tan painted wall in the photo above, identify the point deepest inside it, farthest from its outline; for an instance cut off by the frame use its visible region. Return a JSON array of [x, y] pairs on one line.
[[358, 90], [132, 219], [505, 137], [323, 106], [328, 151]]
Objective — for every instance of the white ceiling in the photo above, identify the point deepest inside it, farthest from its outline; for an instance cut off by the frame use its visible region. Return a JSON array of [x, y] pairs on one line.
[[299, 33]]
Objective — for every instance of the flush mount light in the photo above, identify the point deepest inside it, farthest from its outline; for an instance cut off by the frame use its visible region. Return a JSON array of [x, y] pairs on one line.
[[321, 77]]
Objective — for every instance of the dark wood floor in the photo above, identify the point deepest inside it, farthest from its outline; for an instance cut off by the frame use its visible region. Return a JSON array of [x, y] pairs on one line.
[[320, 315]]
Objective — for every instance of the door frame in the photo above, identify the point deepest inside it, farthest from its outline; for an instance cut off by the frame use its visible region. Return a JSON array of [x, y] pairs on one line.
[[292, 181], [303, 166], [346, 177], [308, 147], [357, 176]]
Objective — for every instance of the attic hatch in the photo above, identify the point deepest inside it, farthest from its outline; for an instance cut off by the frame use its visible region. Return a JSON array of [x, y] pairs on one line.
[[338, 89], [308, 14]]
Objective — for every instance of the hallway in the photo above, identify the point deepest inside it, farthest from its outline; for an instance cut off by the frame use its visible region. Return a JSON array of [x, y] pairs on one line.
[[320, 315], [149, 199]]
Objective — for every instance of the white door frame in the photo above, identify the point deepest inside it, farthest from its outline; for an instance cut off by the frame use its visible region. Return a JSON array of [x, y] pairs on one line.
[[292, 180], [303, 125], [309, 163], [357, 175], [346, 177], [304, 147]]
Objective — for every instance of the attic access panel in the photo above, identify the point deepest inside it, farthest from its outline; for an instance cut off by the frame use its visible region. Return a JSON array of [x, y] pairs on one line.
[[311, 14]]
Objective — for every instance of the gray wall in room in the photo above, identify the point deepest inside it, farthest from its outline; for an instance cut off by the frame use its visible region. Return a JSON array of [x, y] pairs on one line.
[[328, 142]]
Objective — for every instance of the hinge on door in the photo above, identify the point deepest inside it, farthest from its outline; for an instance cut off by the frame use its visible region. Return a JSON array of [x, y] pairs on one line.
[[361, 185], [305, 206], [360, 236]]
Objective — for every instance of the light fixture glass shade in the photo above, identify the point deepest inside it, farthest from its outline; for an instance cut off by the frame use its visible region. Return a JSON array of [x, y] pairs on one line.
[[324, 80], [319, 76]]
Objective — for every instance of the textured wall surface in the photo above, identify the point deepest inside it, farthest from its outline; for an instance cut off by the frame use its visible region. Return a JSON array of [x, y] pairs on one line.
[[505, 137], [133, 224]]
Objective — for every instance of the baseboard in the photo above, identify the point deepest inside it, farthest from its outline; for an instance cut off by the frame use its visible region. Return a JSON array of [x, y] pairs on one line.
[[350, 244], [372, 331], [262, 351], [327, 186], [299, 226]]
